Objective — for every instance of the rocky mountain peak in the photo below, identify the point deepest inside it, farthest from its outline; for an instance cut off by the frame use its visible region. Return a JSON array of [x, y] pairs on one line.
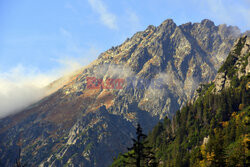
[[149, 76], [151, 27], [208, 23], [168, 22]]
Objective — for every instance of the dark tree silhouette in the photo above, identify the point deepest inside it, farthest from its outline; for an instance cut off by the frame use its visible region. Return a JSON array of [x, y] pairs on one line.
[[18, 159], [140, 155]]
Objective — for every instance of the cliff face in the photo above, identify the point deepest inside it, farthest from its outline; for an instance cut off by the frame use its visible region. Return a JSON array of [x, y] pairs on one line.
[[158, 70], [211, 131], [235, 66]]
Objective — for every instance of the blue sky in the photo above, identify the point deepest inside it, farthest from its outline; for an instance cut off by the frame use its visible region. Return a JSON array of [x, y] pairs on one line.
[[40, 40], [37, 34]]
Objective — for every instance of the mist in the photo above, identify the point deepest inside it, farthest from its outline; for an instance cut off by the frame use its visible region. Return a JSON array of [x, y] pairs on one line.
[[22, 86]]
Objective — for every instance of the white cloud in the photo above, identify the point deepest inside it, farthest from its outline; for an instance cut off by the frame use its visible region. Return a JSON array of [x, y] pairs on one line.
[[22, 86], [69, 65], [107, 18]]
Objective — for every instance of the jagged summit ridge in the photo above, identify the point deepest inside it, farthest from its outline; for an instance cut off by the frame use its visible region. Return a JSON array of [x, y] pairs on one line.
[[74, 122]]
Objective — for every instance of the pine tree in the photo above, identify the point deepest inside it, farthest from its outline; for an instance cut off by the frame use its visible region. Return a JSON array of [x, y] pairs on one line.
[[218, 150], [139, 154], [18, 161]]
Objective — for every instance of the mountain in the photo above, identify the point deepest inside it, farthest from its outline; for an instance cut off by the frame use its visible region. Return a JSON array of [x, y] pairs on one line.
[[214, 130], [91, 117]]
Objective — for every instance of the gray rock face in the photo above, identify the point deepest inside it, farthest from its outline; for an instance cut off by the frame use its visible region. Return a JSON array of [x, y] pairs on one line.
[[220, 81], [240, 56], [76, 126]]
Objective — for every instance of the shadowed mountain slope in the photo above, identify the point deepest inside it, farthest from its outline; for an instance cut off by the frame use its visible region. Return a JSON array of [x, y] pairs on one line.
[[213, 130], [161, 67]]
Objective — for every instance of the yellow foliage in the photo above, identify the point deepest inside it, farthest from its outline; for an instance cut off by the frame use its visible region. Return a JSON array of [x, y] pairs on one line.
[[202, 163], [246, 120], [225, 124], [203, 150], [246, 139], [248, 85], [210, 156], [241, 106], [237, 117], [234, 114], [207, 157]]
